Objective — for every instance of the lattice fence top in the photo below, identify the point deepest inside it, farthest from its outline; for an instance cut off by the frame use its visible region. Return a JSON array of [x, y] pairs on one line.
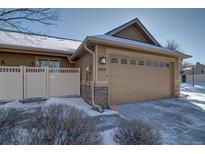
[[9, 69], [63, 70], [35, 69], [38, 69]]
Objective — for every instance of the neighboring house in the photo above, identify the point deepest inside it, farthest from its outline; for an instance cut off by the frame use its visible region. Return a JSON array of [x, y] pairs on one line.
[[35, 50], [195, 72], [199, 68], [185, 72], [124, 65]]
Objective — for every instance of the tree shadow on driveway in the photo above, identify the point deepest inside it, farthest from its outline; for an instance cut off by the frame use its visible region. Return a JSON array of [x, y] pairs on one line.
[[179, 121]]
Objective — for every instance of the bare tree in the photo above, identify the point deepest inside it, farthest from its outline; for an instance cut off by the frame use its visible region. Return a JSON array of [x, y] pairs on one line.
[[172, 45], [15, 19]]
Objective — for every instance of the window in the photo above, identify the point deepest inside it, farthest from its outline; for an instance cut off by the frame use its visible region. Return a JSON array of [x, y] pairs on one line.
[[50, 63], [124, 61], [155, 64], [133, 62], [161, 65], [114, 60], [42, 62], [167, 65], [141, 63], [148, 63], [54, 63]]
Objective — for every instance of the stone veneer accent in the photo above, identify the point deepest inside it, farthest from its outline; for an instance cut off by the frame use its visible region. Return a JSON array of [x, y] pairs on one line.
[[177, 89], [101, 94], [85, 92]]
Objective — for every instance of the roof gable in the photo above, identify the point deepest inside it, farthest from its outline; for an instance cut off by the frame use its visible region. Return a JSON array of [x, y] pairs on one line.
[[134, 30]]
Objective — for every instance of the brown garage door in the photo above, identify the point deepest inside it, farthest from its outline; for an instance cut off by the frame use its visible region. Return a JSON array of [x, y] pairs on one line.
[[138, 80]]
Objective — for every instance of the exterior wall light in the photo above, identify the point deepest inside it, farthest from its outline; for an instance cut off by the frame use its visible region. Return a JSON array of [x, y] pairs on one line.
[[32, 63], [87, 69], [102, 60], [2, 62]]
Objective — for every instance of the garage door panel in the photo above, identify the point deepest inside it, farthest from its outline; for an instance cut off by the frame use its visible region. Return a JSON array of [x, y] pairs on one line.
[[131, 83]]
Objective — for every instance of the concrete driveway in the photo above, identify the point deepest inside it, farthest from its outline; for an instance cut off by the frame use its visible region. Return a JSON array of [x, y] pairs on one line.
[[179, 120]]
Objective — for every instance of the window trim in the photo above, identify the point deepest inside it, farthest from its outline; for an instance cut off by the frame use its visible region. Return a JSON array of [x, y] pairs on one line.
[[141, 63], [47, 59], [116, 60], [155, 64], [162, 65], [51, 60], [167, 65], [124, 60], [133, 60], [148, 63]]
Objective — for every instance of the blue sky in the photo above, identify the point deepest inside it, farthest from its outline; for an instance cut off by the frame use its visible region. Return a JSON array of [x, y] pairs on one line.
[[186, 26]]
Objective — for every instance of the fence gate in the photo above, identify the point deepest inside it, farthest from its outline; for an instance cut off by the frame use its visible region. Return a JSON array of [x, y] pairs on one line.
[[64, 81], [11, 81], [35, 82], [20, 83]]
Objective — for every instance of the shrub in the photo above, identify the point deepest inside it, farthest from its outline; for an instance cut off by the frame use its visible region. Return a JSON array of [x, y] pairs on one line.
[[7, 126], [62, 124], [135, 132]]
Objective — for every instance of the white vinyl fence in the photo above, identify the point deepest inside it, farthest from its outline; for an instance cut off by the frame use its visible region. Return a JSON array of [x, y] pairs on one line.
[[20, 83], [64, 81], [11, 81], [198, 78]]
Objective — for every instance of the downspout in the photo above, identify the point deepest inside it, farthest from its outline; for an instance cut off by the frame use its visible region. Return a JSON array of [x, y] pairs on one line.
[[95, 106]]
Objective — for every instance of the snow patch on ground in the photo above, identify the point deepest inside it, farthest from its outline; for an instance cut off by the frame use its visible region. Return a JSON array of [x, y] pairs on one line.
[[197, 86], [11, 105], [202, 106], [200, 85], [77, 102], [80, 104], [108, 137], [194, 95], [108, 115], [20, 105]]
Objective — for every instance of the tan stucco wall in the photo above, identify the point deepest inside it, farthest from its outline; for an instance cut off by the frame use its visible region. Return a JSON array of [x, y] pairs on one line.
[[17, 59], [177, 77], [103, 76], [100, 68], [131, 33], [86, 60]]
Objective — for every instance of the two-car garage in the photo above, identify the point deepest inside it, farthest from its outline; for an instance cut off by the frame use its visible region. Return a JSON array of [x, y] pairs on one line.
[[137, 79], [128, 65]]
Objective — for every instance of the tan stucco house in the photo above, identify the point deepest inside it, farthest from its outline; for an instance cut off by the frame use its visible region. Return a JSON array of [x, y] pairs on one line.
[[124, 65]]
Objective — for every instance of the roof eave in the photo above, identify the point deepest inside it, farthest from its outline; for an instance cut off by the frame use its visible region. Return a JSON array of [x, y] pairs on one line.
[[79, 49], [186, 56], [125, 45], [159, 51], [35, 49]]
